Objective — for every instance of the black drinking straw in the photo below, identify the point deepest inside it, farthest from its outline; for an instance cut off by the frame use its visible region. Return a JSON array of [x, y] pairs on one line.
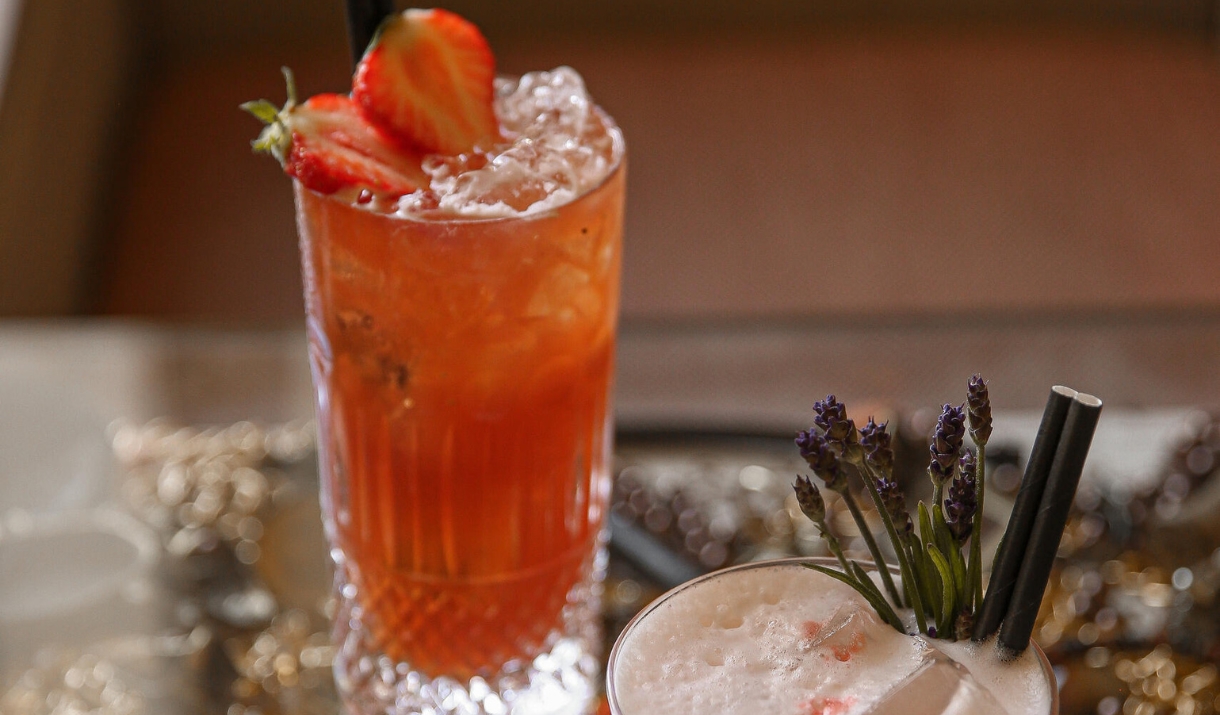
[[1024, 511], [363, 19], [1048, 527]]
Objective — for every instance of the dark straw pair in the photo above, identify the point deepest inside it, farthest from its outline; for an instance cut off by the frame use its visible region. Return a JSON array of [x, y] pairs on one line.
[[1027, 553]]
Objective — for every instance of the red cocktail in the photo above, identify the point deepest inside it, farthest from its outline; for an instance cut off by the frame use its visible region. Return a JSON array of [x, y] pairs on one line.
[[460, 244], [463, 371]]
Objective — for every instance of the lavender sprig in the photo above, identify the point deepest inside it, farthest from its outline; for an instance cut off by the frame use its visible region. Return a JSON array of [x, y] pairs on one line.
[[941, 588], [814, 507], [875, 441], [822, 459], [872, 458], [825, 457], [963, 499], [891, 502], [939, 544], [810, 500], [895, 505], [980, 410], [946, 448], [831, 416], [980, 431]]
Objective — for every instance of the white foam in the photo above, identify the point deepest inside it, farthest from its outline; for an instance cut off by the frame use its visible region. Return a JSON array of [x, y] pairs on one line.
[[558, 146], [1014, 682], [784, 640]]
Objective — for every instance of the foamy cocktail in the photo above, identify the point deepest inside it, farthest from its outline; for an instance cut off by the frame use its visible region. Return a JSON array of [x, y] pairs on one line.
[[802, 637], [778, 638]]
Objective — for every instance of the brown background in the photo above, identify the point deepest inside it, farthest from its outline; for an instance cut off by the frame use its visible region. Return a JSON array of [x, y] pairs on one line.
[[888, 158]]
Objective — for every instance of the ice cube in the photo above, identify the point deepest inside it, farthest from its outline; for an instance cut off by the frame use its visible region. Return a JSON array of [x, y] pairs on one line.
[[843, 635], [941, 686], [561, 147]]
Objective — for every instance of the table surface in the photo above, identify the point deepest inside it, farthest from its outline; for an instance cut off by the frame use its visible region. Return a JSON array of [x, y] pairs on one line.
[[748, 375], [63, 384], [62, 380]]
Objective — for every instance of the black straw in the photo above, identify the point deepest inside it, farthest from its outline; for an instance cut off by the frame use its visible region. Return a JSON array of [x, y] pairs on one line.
[[1008, 557], [363, 19], [1052, 518]]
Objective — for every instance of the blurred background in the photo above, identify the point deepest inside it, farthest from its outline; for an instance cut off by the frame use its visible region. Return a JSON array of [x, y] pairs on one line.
[[876, 198], [789, 159]]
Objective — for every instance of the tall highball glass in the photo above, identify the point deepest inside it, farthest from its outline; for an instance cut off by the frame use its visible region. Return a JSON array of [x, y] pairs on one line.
[[463, 372]]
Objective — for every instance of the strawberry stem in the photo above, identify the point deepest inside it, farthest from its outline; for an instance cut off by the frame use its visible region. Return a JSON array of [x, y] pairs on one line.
[[275, 139]]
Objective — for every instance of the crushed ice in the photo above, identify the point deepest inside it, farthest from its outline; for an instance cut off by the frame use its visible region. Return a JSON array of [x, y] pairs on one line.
[[558, 145]]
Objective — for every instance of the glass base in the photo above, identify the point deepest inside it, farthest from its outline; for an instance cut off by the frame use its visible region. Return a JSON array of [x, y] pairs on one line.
[[561, 680]]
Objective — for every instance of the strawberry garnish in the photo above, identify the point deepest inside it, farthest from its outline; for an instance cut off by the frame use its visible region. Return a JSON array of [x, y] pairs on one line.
[[328, 144], [334, 146], [427, 78]]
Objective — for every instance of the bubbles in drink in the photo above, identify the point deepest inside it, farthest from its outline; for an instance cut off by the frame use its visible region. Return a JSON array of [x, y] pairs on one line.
[[560, 146], [727, 617]]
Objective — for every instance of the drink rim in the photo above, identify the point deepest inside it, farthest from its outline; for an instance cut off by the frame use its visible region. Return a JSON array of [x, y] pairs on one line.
[[619, 160], [616, 651]]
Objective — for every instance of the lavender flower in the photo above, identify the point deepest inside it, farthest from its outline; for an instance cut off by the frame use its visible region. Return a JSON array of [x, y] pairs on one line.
[[822, 459], [947, 443], [895, 504], [876, 443], [980, 410], [963, 498], [810, 500], [831, 416], [833, 447]]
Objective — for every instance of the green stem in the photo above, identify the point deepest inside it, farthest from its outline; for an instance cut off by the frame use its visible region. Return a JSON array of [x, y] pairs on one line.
[[833, 544], [875, 599], [862, 576], [944, 538], [948, 549], [936, 585], [927, 535], [872, 545], [919, 564], [866, 586], [911, 580], [964, 588], [944, 623], [976, 533]]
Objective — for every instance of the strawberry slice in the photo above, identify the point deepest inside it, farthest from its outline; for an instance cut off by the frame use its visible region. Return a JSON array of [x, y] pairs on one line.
[[328, 144], [334, 146], [427, 78]]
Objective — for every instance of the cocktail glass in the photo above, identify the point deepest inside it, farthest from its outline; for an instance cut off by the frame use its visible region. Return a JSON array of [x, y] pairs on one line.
[[463, 370], [623, 648]]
